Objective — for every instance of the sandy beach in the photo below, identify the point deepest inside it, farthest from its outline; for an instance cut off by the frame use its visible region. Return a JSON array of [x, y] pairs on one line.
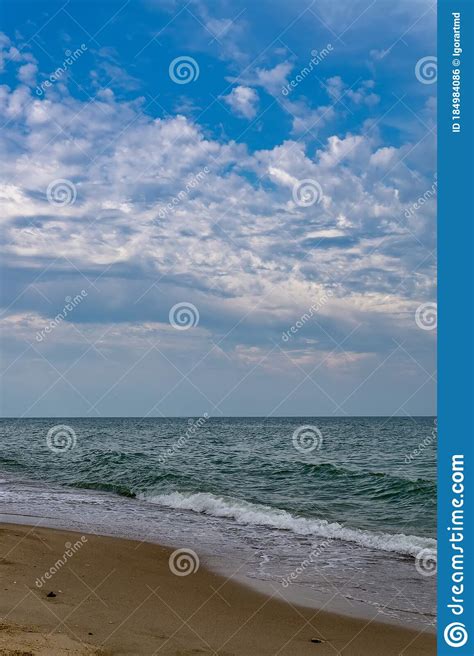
[[114, 596]]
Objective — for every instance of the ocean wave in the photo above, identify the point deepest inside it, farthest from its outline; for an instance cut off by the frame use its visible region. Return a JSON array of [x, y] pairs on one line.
[[247, 513], [377, 479], [121, 490], [339, 470]]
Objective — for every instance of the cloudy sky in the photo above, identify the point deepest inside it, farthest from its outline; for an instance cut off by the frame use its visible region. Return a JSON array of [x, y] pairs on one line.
[[216, 206]]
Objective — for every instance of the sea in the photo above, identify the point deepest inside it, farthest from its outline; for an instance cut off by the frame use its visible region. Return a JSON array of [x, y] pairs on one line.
[[333, 513]]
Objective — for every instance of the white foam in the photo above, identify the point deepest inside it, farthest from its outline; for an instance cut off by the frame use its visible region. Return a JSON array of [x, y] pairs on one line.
[[244, 512]]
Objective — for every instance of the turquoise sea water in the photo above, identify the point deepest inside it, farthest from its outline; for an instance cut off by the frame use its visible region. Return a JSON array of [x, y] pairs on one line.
[[265, 491]]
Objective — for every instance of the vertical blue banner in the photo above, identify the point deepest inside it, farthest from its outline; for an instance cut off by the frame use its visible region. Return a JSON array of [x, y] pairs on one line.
[[455, 327]]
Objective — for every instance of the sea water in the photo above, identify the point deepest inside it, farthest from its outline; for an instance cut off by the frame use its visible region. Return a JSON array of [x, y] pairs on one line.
[[333, 512]]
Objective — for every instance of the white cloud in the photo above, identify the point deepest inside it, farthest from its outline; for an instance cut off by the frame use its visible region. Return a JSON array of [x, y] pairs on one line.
[[234, 240], [282, 176], [360, 94], [274, 79], [10, 53], [243, 101], [384, 156], [235, 244], [27, 73], [339, 150]]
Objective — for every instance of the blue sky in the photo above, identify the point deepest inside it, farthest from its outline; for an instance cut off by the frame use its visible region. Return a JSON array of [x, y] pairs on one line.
[[191, 190]]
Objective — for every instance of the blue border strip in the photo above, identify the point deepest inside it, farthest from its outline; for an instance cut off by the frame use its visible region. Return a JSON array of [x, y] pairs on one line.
[[455, 331]]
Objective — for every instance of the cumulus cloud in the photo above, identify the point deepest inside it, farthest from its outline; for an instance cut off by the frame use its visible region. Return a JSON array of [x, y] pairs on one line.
[[137, 208], [243, 101], [27, 73], [164, 212]]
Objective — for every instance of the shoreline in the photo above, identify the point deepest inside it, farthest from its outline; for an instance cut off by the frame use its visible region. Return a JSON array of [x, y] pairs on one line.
[[313, 599], [119, 596]]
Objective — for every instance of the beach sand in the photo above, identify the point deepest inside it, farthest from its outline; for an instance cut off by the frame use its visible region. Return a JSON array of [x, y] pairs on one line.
[[117, 596]]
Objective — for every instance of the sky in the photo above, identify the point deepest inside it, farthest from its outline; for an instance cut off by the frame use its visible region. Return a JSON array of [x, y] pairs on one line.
[[221, 207]]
